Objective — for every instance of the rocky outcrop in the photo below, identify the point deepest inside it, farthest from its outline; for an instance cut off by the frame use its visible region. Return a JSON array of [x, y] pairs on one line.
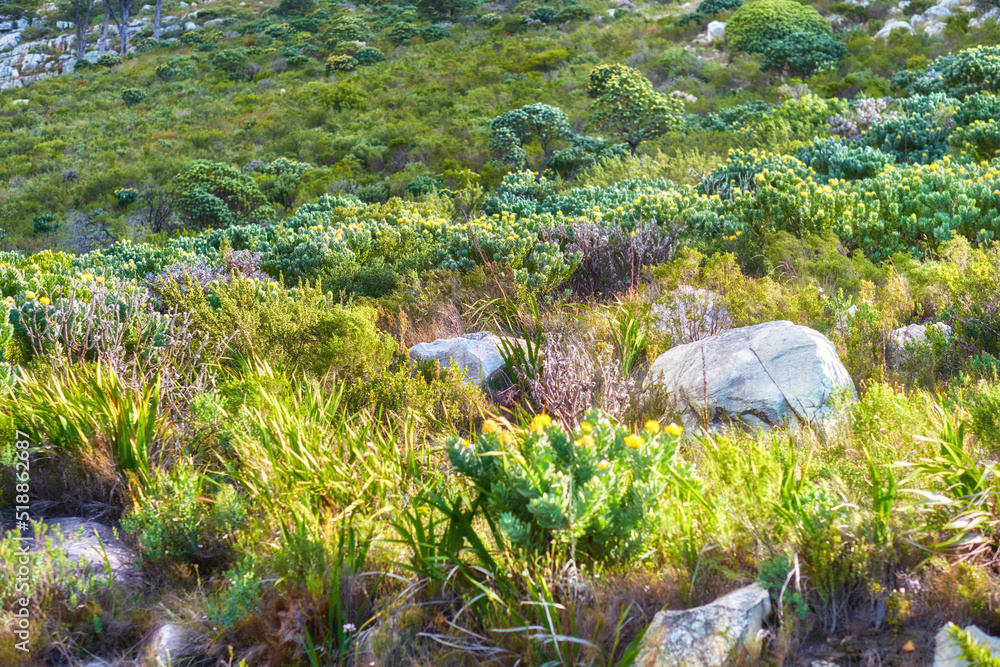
[[708, 636], [764, 376], [477, 355], [947, 652], [894, 24]]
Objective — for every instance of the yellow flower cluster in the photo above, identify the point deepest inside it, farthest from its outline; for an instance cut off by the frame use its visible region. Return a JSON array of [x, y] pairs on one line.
[[539, 422]]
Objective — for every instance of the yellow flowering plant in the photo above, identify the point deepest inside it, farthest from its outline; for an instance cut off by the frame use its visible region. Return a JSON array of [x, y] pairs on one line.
[[586, 490]]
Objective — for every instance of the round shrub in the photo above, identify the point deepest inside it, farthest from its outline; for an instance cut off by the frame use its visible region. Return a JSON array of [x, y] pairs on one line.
[[980, 139], [402, 33], [489, 20], [975, 70], [81, 63], [343, 63], [842, 160], [435, 33], [109, 60], [166, 73], [44, 223], [978, 107], [126, 196], [543, 14], [574, 12], [132, 97], [754, 27], [349, 29], [912, 139], [601, 75], [803, 53], [211, 194], [713, 7], [369, 56]]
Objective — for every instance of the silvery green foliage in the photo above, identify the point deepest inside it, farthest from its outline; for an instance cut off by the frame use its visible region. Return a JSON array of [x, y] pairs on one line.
[[510, 132]]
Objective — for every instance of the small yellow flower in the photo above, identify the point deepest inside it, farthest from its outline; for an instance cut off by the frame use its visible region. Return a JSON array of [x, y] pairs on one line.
[[490, 426], [652, 426], [100, 279], [634, 441], [539, 423], [586, 441], [29, 295], [506, 438], [603, 465], [9, 299], [673, 429], [86, 276], [44, 301], [586, 427]]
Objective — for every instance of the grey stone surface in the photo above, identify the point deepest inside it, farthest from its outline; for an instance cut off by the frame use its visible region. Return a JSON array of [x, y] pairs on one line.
[[894, 24], [169, 645], [87, 542], [948, 654], [764, 375], [903, 340], [716, 30], [708, 636], [476, 354]]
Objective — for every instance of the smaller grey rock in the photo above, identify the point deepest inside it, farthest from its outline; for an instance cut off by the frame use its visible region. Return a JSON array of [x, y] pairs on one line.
[[948, 654], [169, 644], [716, 31], [934, 29], [893, 24], [476, 354], [190, 25], [902, 341], [183, 4], [937, 14], [708, 636]]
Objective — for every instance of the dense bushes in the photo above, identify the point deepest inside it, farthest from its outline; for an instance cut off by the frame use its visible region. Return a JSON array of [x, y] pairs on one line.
[[756, 26], [217, 195], [803, 53]]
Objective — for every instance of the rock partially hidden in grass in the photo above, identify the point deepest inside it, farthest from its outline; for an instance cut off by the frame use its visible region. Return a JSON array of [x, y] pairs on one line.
[[476, 354], [94, 546], [906, 340], [708, 636], [763, 376], [948, 653], [169, 645]]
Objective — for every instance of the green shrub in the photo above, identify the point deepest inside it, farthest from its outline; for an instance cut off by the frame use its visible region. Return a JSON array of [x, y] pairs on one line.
[[435, 33], [165, 72], [802, 53], [369, 56], [402, 32], [754, 27], [342, 63], [489, 19], [184, 521], [132, 97], [586, 491], [543, 14], [126, 196], [977, 107], [230, 60], [109, 60], [843, 160], [980, 139], [211, 194], [912, 139], [81, 63], [44, 223], [572, 12]]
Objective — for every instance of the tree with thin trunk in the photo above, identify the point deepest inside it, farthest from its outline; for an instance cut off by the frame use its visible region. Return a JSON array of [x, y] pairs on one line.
[[102, 43], [121, 12], [156, 20], [78, 11]]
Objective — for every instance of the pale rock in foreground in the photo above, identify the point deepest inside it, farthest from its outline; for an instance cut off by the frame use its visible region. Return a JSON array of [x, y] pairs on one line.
[[477, 355], [948, 654], [169, 645], [764, 375], [707, 636], [93, 546]]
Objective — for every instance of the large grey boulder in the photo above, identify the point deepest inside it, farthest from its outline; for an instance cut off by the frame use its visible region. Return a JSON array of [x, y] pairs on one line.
[[764, 375], [708, 636], [93, 546], [947, 652], [476, 355]]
